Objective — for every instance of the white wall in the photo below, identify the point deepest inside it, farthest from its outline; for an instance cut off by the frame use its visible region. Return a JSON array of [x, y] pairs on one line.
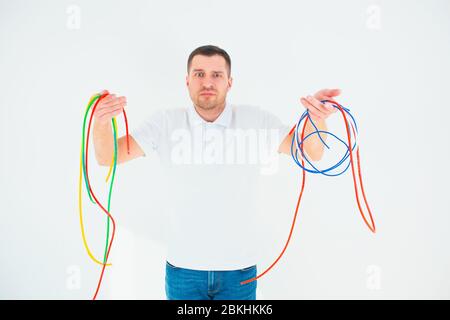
[[390, 58]]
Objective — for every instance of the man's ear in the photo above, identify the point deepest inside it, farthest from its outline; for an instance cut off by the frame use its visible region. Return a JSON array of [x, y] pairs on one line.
[[230, 83]]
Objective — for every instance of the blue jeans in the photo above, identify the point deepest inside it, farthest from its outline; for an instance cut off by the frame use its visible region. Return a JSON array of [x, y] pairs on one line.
[[187, 284]]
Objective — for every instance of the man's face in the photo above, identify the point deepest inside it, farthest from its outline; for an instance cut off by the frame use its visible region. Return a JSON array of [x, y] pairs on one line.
[[208, 81]]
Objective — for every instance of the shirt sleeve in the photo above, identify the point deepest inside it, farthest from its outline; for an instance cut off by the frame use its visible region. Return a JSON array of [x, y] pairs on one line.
[[275, 129], [149, 132]]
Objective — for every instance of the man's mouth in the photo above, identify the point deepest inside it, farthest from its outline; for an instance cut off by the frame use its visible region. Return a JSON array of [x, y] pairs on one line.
[[207, 94]]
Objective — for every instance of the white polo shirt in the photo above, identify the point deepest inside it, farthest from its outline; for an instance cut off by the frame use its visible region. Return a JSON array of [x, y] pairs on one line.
[[212, 170]]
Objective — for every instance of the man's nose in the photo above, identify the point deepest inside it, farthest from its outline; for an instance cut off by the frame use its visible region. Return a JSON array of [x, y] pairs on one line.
[[207, 85], [208, 82]]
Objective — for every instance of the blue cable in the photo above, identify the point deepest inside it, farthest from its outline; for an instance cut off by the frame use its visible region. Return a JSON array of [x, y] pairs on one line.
[[296, 138]]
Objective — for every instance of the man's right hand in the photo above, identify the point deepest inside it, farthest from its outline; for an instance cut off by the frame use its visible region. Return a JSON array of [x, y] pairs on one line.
[[109, 107]]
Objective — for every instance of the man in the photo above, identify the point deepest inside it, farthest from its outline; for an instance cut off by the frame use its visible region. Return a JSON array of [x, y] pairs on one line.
[[211, 152]]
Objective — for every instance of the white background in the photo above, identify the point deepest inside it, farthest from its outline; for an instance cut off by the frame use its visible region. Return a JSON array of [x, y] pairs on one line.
[[390, 58]]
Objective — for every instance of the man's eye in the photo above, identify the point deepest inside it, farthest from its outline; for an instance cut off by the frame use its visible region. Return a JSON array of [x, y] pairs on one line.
[[201, 74]]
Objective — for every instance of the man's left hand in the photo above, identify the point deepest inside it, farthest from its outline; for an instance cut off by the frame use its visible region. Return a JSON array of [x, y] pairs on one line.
[[320, 111]]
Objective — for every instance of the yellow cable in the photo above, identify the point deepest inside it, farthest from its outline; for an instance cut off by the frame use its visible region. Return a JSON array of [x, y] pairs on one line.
[[80, 208]]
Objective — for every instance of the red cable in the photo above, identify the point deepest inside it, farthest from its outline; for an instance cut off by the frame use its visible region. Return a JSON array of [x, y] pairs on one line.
[[126, 128], [371, 227], [93, 195]]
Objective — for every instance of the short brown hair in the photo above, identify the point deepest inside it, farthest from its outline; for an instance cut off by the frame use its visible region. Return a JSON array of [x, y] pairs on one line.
[[210, 51]]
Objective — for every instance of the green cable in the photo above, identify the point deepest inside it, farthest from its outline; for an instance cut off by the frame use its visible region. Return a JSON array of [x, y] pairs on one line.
[[93, 99], [114, 124]]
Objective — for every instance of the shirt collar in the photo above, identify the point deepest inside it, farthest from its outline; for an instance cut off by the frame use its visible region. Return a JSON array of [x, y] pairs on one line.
[[224, 118]]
